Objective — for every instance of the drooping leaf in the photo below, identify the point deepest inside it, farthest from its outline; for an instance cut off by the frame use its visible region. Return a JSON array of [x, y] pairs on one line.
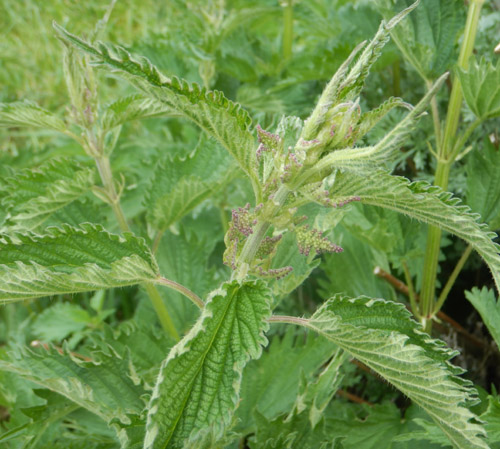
[[198, 384], [423, 202], [483, 184], [481, 88], [180, 184], [29, 114], [219, 117], [428, 39], [32, 196], [382, 335], [488, 307], [71, 260], [103, 384]]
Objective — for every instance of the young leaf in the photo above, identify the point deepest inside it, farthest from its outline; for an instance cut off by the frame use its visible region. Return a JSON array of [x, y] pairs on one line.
[[219, 117], [32, 196], [423, 202], [198, 384], [382, 335], [29, 114], [481, 88], [488, 307], [180, 184], [71, 260]]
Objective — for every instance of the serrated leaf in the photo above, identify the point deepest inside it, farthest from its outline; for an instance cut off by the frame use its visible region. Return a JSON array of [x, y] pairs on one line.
[[382, 335], [488, 307], [492, 418], [428, 38], [29, 114], [180, 184], [481, 88], [133, 107], [70, 260], [423, 202], [219, 117], [483, 184], [198, 384], [103, 385], [33, 195]]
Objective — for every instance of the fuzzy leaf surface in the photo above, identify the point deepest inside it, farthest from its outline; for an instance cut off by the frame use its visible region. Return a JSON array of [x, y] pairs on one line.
[[70, 260], [102, 385], [198, 385], [481, 88], [219, 117], [180, 184], [382, 335], [33, 195], [423, 202], [29, 114]]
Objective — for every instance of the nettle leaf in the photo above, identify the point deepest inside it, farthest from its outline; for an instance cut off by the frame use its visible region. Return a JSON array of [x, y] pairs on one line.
[[483, 184], [33, 195], [70, 260], [423, 202], [428, 38], [481, 88], [198, 385], [180, 184], [488, 306], [102, 383], [219, 117], [133, 107], [29, 114], [382, 335]]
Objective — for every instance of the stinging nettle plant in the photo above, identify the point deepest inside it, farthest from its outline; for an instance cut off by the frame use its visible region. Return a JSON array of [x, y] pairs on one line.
[[321, 161]]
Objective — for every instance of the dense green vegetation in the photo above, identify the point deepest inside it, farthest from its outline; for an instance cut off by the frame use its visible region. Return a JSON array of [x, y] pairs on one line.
[[232, 224]]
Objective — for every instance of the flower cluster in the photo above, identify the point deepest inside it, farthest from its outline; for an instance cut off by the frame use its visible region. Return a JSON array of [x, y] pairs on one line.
[[312, 239]]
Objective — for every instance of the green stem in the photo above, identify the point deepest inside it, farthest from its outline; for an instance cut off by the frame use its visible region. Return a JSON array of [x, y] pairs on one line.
[[435, 115], [411, 290], [446, 150], [253, 242], [161, 311], [451, 280], [288, 30], [106, 175], [463, 138], [183, 290], [157, 240], [288, 320], [396, 79]]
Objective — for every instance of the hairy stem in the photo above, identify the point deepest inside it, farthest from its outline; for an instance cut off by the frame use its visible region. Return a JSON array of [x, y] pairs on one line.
[[445, 151], [183, 290], [161, 311]]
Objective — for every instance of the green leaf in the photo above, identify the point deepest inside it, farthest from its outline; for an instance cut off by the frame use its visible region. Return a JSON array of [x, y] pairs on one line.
[[382, 335], [133, 107], [492, 418], [199, 381], [423, 202], [62, 319], [488, 307], [271, 383], [481, 88], [428, 38], [103, 385], [70, 260], [483, 184], [29, 114], [219, 117], [33, 195], [180, 184]]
